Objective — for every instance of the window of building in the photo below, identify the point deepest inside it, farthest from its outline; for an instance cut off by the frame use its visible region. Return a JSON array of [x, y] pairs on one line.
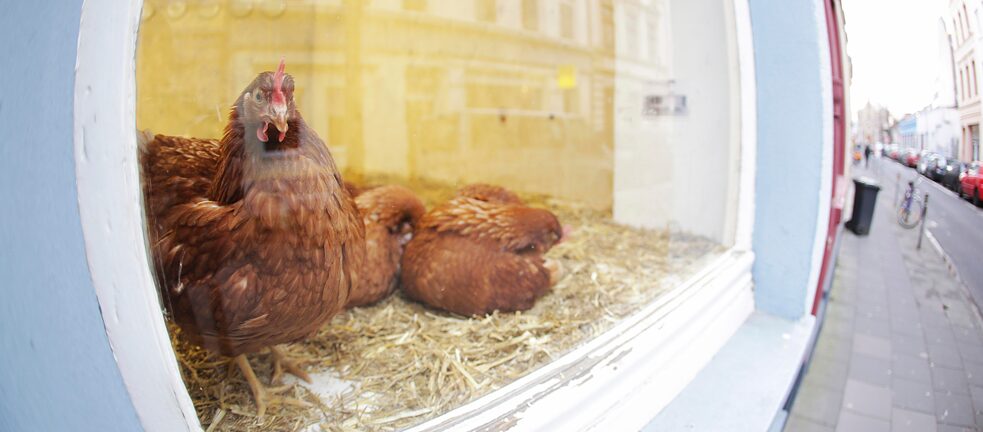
[[961, 33], [976, 90], [969, 83], [415, 5], [604, 149], [969, 30], [530, 14], [566, 19], [487, 10], [962, 85]]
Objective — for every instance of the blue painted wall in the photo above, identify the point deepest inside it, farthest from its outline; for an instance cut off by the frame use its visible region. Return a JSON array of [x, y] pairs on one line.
[[57, 372], [787, 54]]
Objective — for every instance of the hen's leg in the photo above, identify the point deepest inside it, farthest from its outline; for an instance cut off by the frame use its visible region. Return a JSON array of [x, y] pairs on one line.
[[281, 362], [259, 393]]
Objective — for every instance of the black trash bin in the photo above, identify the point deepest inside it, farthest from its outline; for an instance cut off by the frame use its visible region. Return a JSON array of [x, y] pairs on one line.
[[865, 196]]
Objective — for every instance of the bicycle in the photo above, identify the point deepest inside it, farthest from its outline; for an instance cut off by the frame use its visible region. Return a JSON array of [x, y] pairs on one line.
[[910, 207]]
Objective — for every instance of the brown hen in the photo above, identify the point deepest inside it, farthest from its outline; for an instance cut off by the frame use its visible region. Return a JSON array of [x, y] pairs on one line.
[[471, 257], [489, 193], [256, 241], [389, 213]]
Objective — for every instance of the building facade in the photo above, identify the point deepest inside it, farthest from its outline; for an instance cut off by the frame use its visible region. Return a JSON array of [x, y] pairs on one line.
[[937, 130], [907, 131], [963, 25], [873, 124]]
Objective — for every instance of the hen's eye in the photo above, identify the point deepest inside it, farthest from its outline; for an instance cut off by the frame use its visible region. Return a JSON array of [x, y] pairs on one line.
[[259, 96]]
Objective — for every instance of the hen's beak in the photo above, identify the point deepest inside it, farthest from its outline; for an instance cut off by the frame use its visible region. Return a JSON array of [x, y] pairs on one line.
[[280, 119]]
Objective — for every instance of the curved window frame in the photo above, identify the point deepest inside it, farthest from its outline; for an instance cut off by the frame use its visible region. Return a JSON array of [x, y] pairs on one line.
[[619, 379]]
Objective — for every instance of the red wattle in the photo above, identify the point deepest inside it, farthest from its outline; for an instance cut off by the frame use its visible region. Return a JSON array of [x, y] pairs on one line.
[[261, 132]]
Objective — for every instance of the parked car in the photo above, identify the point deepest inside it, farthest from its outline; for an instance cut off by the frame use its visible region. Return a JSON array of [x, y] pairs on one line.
[[953, 170], [894, 152], [911, 158], [936, 168], [970, 182], [926, 161]]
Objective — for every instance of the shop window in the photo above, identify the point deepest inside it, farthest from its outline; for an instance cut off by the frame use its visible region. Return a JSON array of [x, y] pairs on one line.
[[248, 119]]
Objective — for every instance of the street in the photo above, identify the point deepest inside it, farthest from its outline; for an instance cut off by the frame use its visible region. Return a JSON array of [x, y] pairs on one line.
[[954, 222]]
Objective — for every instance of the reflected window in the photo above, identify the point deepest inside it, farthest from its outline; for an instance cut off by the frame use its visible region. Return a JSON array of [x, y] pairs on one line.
[[530, 14]]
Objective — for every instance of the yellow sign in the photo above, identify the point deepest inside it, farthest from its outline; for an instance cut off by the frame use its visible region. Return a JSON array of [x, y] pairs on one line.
[[566, 76]]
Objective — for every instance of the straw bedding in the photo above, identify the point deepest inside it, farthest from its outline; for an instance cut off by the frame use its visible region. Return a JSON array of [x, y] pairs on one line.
[[406, 363]]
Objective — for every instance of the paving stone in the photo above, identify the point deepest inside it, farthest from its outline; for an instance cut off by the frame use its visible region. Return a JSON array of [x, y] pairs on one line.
[[974, 372], [840, 329], [942, 427], [872, 327], [961, 313], [968, 335], [977, 397], [899, 300], [970, 352], [834, 346], [976, 392], [911, 421], [871, 370], [840, 312], [827, 373], [903, 343], [877, 311], [938, 334], [912, 395], [911, 367], [954, 409], [944, 355], [907, 324], [798, 423], [947, 380], [872, 346], [853, 422], [818, 404], [867, 399]]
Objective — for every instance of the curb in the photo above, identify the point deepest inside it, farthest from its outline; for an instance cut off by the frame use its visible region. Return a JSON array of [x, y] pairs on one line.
[[954, 272]]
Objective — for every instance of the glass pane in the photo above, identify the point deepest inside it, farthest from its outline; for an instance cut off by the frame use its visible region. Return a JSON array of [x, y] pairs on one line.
[[404, 293]]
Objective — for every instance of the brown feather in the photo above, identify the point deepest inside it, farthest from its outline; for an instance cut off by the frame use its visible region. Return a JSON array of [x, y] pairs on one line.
[[249, 240], [390, 214], [472, 257]]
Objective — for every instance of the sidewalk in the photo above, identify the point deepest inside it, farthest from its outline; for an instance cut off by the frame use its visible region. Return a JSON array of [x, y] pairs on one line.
[[902, 345]]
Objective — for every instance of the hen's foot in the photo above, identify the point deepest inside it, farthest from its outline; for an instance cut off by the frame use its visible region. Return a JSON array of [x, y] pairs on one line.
[[281, 362], [259, 392]]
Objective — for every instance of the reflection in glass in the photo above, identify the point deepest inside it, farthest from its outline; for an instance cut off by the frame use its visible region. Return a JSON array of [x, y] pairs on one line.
[[552, 99]]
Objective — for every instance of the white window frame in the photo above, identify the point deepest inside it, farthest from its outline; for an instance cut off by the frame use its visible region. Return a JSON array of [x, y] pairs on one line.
[[617, 381]]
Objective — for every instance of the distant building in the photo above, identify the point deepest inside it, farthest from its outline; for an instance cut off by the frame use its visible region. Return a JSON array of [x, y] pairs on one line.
[[873, 125], [907, 131], [937, 130], [963, 24]]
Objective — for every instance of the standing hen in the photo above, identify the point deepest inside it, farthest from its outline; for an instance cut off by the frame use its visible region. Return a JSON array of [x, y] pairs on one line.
[[390, 214], [256, 241], [472, 256]]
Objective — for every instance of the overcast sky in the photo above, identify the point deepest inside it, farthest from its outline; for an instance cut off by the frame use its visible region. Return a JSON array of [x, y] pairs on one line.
[[894, 47]]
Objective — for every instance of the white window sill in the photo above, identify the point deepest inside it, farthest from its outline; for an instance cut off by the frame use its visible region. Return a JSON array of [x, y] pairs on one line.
[[746, 383]]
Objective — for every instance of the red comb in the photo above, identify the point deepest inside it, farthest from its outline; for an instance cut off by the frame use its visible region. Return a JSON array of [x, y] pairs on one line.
[[278, 97]]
